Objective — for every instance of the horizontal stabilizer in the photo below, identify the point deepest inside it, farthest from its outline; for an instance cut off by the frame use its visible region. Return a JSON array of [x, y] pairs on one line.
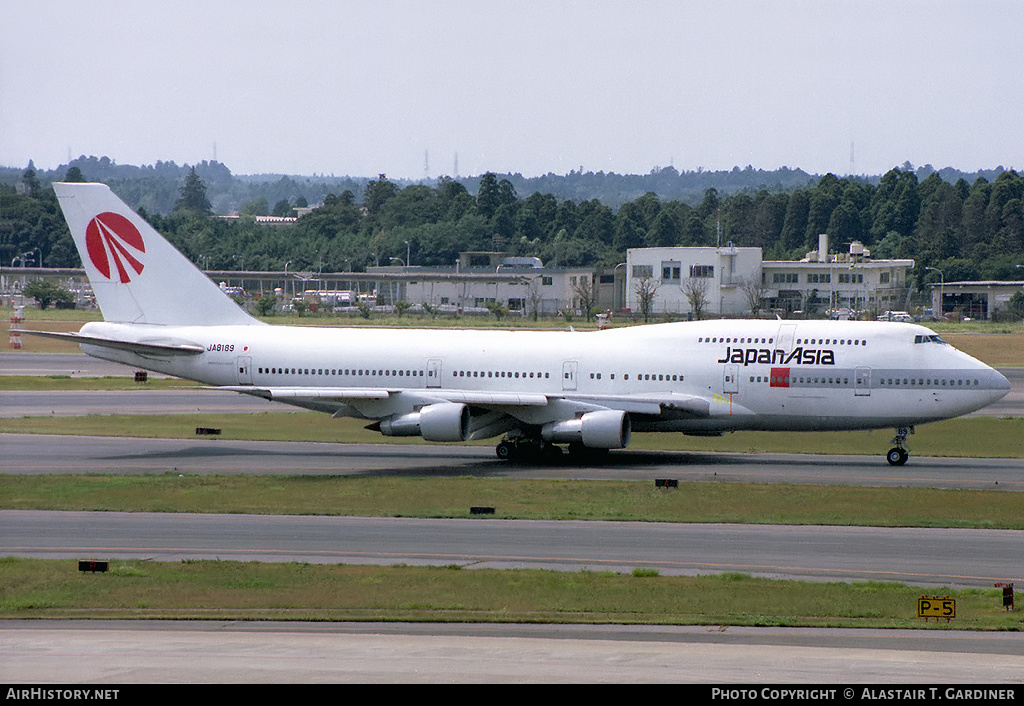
[[141, 347]]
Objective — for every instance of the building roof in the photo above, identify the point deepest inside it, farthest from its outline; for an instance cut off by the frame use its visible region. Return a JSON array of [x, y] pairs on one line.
[[980, 283]]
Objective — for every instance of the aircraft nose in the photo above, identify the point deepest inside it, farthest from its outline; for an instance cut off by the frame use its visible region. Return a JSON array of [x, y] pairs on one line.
[[1000, 383]]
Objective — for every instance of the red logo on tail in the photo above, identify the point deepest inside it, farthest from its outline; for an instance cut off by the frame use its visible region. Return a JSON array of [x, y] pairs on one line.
[[112, 237]]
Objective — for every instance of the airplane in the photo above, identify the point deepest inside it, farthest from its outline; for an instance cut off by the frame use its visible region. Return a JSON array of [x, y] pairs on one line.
[[539, 390]]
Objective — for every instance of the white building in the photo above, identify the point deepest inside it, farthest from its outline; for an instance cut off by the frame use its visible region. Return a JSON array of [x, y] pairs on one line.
[[523, 288], [975, 300], [684, 277], [730, 280], [823, 281]]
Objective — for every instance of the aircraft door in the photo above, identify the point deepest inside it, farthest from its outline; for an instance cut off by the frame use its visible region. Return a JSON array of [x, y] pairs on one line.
[[434, 372], [244, 365], [569, 371], [862, 382], [731, 379], [785, 337]]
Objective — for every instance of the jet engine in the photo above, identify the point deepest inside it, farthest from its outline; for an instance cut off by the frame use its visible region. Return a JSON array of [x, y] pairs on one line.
[[445, 421], [607, 429]]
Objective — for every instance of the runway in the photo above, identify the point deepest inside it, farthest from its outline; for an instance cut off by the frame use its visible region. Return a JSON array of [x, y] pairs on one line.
[[924, 556], [28, 454]]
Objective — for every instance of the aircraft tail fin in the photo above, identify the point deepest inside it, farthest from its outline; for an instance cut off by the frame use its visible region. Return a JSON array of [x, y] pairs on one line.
[[135, 273]]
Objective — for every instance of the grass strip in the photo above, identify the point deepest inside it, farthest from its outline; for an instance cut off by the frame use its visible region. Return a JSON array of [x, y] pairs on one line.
[[745, 503], [966, 437], [226, 590], [38, 383]]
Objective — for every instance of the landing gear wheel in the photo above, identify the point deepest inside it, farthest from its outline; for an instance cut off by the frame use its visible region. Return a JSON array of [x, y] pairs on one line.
[[897, 457], [506, 450], [528, 450]]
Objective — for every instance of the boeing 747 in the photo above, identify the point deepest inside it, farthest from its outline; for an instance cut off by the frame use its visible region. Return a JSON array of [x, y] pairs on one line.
[[537, 389]]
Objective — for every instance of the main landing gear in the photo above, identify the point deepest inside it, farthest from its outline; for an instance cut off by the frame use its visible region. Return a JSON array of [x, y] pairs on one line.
[[898, 455], [525, 449]]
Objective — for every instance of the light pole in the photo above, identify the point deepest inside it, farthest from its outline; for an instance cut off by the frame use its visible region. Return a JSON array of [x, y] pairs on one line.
[[615, 299], [942, 305], [393, 259]]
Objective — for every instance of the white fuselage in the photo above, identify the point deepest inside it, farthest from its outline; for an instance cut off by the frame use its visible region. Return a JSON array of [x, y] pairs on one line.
[[771, 375]]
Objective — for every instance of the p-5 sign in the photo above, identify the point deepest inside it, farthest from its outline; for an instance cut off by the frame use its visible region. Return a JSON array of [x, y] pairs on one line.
[[936, 607]]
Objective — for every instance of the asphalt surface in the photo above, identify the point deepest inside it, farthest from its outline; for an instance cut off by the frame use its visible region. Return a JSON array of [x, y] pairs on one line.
[[838, 662], [25, 454], [924, 556]]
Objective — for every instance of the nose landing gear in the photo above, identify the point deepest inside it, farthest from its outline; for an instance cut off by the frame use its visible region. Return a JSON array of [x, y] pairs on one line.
[[898, 455]]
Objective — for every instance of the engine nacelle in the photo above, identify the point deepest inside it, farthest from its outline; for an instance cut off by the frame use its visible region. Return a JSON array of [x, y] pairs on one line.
[[607, 429], [446, 421]]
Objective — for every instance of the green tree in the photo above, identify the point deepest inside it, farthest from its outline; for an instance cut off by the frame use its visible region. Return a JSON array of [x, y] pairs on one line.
[[895, 205], [627, 235], [377, 194], [46, 293], [794, 224], [487, 197], [497, 308], [825, 197], [1016, 305], [664, 231], [193, 196], [266, 305], [401, 307], [31, 181], [257, 207]]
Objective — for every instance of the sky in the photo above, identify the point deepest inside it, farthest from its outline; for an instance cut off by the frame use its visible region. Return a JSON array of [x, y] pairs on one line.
[[423, 88]]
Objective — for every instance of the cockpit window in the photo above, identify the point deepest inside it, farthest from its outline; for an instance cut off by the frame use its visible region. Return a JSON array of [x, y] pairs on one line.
[[929, 339]]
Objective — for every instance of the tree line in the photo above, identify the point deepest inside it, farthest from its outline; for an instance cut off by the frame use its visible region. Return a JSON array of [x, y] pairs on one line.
[[968, 231]]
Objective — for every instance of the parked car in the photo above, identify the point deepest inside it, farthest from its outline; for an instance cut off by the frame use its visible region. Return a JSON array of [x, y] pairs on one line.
[[896, 316]]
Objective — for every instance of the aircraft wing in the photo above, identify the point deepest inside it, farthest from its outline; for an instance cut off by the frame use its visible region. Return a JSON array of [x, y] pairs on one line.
[[652, 404], [353, 394], [672, 404]]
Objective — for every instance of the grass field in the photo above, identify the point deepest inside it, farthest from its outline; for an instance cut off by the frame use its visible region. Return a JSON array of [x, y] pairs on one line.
[[69, 383], [512, 498], [221, 590]]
